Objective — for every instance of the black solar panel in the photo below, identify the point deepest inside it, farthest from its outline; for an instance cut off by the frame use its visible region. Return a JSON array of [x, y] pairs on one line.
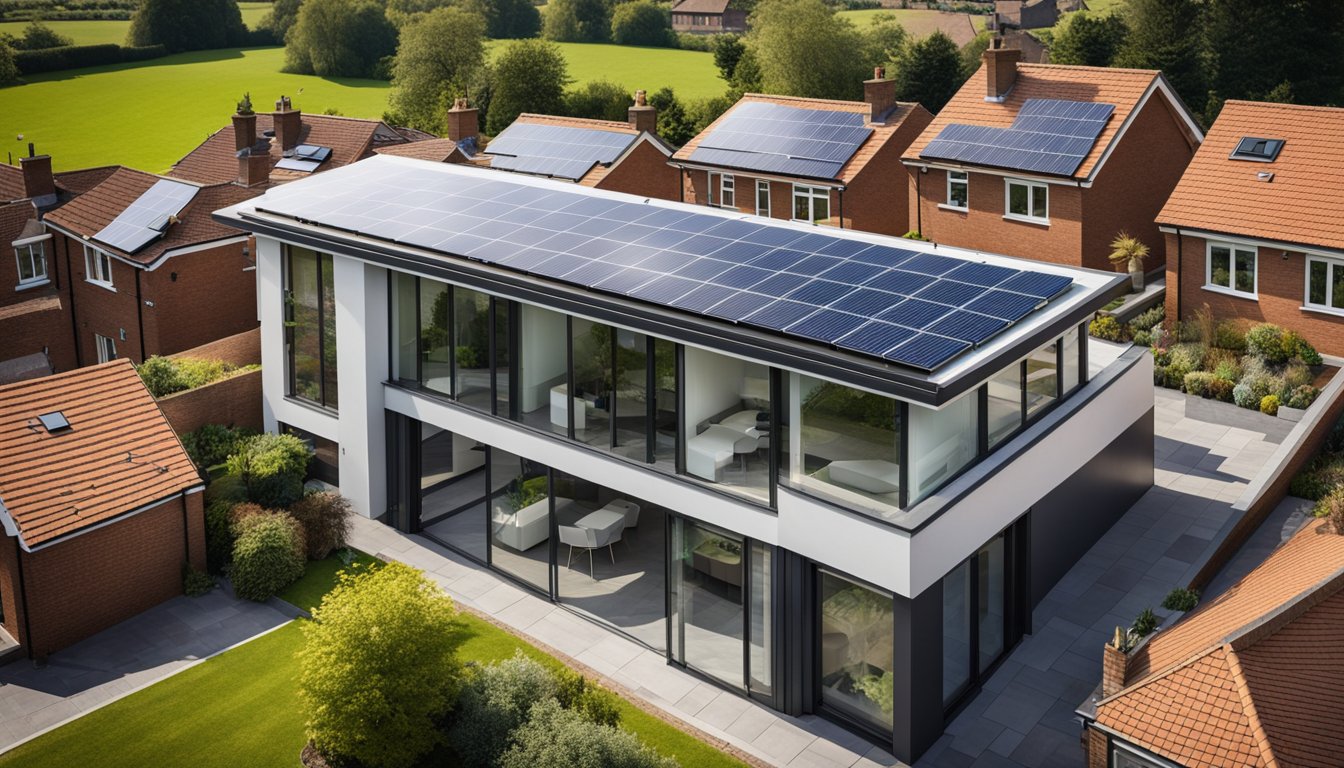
[[775, 138], [908, 307], [1049, 136], [555, 150], [144, 220]]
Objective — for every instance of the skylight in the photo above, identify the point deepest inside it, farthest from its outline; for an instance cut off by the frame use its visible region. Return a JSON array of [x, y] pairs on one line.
[[54, 422], [1258, 150], [307, 157]]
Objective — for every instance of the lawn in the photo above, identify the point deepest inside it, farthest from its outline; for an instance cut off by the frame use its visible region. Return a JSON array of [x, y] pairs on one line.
[[961, 27], [242, 707], [691, 74], [97, 32]]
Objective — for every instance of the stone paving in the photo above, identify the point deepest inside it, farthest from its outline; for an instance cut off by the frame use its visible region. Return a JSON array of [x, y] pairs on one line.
[[1205, 453], [142, 650]]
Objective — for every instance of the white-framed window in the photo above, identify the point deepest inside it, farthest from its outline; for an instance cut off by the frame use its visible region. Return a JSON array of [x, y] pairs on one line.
[[762, 197], [1231, 268], [97, 267], [727, 191], [1026, 200], [1124, 756], [32, 259], [811, 204], [1325, 284], [107, 348], [958, 189]]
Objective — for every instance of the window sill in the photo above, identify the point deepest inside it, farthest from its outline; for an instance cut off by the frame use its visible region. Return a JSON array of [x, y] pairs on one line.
[[954, 208], [28, 286], [1026, 219], [1331, 311], [1231, 292], [101, 284]]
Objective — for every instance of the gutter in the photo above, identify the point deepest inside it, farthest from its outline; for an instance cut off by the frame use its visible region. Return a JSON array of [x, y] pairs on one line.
[[731, 171], [11, 527]]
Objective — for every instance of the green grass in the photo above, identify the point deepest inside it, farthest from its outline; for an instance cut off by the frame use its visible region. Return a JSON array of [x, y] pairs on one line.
[[98, 32], [318, 579], [691, 74]]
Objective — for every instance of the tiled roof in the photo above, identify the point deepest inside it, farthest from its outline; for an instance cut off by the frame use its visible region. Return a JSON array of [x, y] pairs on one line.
[[881, 133], [1122, 88], [1254, 677], [1304, 203], [120, 453], [11, 183], [434, 150], [13, 217], [95, 209], [701, 6], [614, 126], [350, 139], [81, 181]]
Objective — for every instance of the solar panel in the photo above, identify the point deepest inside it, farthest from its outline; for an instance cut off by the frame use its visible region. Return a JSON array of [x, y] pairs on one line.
[[1050, 136], [904, 306], [145, 219], [776, 138], [564, 152]]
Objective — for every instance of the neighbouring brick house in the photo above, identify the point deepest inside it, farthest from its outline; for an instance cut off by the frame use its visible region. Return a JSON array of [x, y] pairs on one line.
[[979, 180], [100, 505], [1255, 229], [708, 17], [604, 154], [1253, 678], [835, 163]]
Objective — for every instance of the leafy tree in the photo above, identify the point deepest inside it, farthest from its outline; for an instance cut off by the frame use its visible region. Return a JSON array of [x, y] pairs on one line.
[[973, 53], [804, 49], [746, 76], [268, 554], [440, 55], [884, 41], [642, 23], [507, 19], [674, 125], [404, 12], [37, 36], [9, 71], [599, 100], [930, 72], [280, 19], [1087, 39], [1289, 49], [378, 669], [342, 38], [728, 50], [1165, 35], [578, 21], [187, 25], [528, 76]]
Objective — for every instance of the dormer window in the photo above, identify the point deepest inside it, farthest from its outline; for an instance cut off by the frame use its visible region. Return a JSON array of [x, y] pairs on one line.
[[1257, 150]]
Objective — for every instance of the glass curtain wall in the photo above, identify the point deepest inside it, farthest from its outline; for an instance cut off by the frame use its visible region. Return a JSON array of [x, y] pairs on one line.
[[1042, 372], [728, 422], [857, 649], [310, 323], [542, 369], [942, 443], [665, 398], [471, 347], [520, 518], [847, 444], [436, 342], [956, 632], [975, 618], [1004, 412], [453, 486]]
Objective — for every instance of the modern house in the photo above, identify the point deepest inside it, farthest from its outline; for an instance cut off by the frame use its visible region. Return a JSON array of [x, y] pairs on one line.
[[835, 163], [708, 17], [1254, 678], [605, 154], [100, 506], [1266, 184], [831, 470], [1051, 162]]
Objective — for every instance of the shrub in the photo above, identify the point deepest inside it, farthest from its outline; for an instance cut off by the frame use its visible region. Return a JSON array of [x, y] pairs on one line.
[[1221, 389], [1106, 327], [1301, 397], [494, 702], [1147, 319], [272, 467], [1319, 478], [1244, 396], [595, 703], [1145, 623], [77, 56], [1308, 354], [1181, 599], [218, 535], [1227, 370], [163, 376], [1199, 383], [9, 70], [379, 669], [1228, 335], [212, 444], [196, 583], [554, 737], [267, 555], [325, 518], [1331, 507], [1296, 375], [642, 22], [1269, 404], [225, 488], [1142, 338], [1266, 341], [1187, 355]]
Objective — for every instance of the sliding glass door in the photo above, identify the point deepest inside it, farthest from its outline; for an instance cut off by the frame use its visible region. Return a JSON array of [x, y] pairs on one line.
[[857, 647]]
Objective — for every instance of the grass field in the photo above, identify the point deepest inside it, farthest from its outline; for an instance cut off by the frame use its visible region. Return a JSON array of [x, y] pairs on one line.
[[690, 73], [99, 32], [961, 27]]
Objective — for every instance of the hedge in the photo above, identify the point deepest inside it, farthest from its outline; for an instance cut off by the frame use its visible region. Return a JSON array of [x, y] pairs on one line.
[[77, 56]]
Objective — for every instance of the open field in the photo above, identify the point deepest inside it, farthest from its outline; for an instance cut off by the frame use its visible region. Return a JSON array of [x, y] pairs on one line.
[[690, 73], [98, 32], [961, 27]]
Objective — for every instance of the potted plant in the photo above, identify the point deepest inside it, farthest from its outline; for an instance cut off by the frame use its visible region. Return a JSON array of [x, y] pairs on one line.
[[1129, 250]]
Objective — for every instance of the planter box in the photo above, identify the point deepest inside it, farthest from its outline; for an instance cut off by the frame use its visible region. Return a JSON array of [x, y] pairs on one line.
[[1291, 414]]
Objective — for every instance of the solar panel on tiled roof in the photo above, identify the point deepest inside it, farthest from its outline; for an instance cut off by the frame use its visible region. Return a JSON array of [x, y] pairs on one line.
[[776, 138], [565, 152], [1050, 136], [913, 308], [145, 219]]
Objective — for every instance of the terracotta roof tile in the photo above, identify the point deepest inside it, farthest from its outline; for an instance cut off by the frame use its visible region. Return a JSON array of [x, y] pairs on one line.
[[81, 181], [1305, 201], [13, 217], [120, 453], [11, 183], [702, 6], [1104, 85], [434, 150]]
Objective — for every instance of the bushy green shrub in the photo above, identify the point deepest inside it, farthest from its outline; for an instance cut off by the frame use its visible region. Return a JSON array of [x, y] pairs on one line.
[[1296, 375], [494, 702], [1301, 397], [1187, 355], [1228, 335], [195, 583], [1331, 505], [555, 737], [595, 703], [1322, 475], [272, 467], [1269, 404], [218, 535], [1142, 338], [212, 444], [1244, 396], [1145, 623], [163, 375], [1221, 389], [79, 56], [1270, 343], [379, 670], [1228, 370], [267, 555], [1106, 327], [1148, 319], [226, 487], [325, 517], [1181, 599], [1199, 383]]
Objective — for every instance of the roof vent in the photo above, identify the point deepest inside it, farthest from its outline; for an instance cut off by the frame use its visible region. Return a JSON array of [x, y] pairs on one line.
[[1265, 176], [1258, 150], [54, 422]]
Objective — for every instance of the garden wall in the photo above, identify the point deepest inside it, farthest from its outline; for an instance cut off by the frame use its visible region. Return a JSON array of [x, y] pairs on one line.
[[235, 401]]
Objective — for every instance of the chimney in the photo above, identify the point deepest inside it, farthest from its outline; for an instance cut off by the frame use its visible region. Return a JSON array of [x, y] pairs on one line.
[[463, 121], [38, 181], [1000, 69], [244, 125], [288, 122], [1114, 663], [642, 116], [880, 93], [254, 165]]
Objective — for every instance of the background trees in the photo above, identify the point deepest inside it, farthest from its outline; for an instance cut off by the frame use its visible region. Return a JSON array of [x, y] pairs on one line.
[[1164, 34], [599, 100], [187, 25], [578, 21], [441, 56], [641, 22], [930, 72], [345, 38], [1090, 40], [280, 18], [804, 49], [527, 76]]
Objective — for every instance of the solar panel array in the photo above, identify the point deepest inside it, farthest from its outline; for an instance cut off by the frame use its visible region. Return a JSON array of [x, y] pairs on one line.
[[307, 157], [1049, 136], [904, 306], [144, 220], [564, 152], [775, 138]]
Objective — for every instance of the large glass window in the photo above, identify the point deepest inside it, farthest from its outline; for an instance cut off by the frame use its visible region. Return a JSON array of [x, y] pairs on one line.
[[520, 518], [975, 625], [848, 443], [406, 344], [310, 319], [1005, 404], [471, 346], [762, 197], [1231, 268], [857, 647], [991, 597], [1042, 378], [956, 631], [1325, 284], [665, 402], [707, 600], [502, 367], [592, 358], [436, 344], [761, 630], [1070, 376], [728, 422], [541, 363], [942, 443], [958, 187], [32, 260], [811, 204], [1027, 200]]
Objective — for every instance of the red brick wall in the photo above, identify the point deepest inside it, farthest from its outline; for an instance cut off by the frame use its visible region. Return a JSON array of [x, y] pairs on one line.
[[644, 172], [1281, 293], [1134, 184], [235, 401], [1095, 745], [878, 199], [88, 583], [30, 332], [212, 297], [240, 349], [102, 311], [9, 589]]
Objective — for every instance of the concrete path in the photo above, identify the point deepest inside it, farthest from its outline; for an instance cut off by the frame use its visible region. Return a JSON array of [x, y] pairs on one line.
[[140, 651], [769, 736], [1206, 453]]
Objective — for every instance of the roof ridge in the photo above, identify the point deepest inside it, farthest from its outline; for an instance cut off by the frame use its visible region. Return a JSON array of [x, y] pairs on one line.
[[1084, 67], [1265, 625], [813, 99], [88, 370], [1248, 707], [1283, 105], [585, 120]]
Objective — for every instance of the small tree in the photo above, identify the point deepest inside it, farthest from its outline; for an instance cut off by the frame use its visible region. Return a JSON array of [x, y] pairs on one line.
[[728, 50], [37, 36], [1089, 40], [804, 49], [674, 126], [598, 100], [884, 41], [187, 25], [9, 71], [342, 38], [642, 23], [280, 19], [325, 518], [528, 76], [267, 555], [272, 468], [930, 72], [378, 669], [441, 55], [1129, 251], [577, 21]]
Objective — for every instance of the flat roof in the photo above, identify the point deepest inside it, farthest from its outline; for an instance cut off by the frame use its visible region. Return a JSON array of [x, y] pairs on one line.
[[916, 320]]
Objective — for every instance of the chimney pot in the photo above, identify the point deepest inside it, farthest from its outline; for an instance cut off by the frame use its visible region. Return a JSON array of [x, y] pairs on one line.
[[1000, 70], [39, 183], [880, 93], [642, 115], [463, 121], [288, 123]]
